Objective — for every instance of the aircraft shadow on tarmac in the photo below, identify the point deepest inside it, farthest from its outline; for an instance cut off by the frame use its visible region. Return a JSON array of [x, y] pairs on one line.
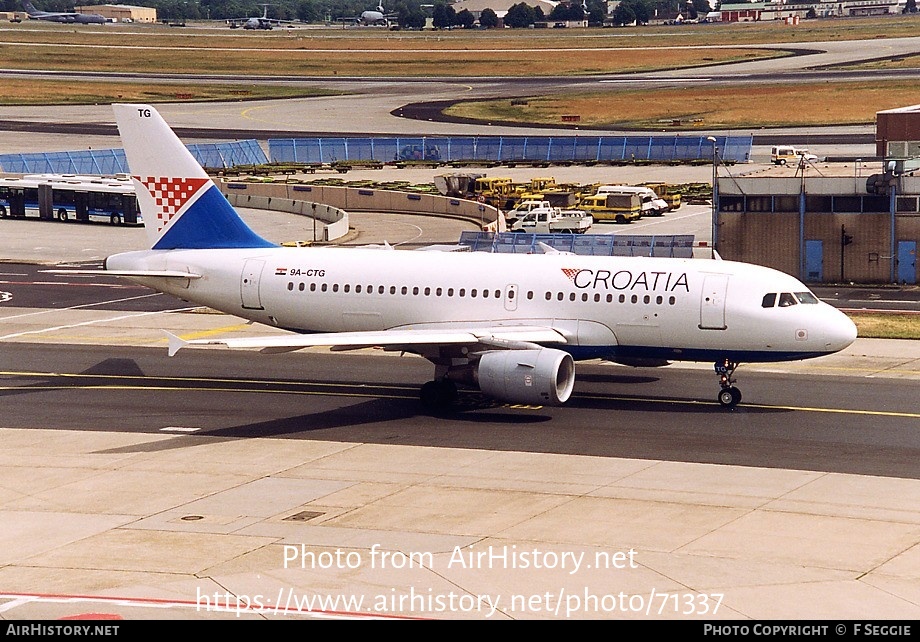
[[593, 423]]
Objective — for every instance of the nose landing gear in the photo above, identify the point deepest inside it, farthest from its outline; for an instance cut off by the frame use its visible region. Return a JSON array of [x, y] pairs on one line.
[[729, 395]]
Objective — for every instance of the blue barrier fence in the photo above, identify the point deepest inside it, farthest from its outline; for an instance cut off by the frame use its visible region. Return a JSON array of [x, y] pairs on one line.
[[112, 161], [676, 246], [496, 149], [504, 149]]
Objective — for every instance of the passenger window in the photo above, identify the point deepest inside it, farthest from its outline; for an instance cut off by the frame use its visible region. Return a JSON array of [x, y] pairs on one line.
[[786, 299], [769, 300]]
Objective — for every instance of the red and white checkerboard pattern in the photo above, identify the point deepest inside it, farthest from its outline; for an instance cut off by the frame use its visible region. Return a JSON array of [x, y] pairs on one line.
[[170, 195], [569, 272]]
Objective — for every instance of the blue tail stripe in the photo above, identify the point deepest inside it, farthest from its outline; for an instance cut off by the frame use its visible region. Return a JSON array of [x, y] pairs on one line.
[[211, 222]]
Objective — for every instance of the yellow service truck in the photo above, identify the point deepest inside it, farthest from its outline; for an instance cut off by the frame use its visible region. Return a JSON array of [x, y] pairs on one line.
[[620, 208], [668, 193], [496, 191]]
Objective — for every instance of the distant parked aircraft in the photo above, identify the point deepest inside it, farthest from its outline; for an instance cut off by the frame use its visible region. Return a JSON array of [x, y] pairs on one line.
[[377, 18], [257, 22], [68, 17]]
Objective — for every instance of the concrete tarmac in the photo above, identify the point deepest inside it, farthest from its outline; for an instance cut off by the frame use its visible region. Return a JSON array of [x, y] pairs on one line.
[[139, 526]]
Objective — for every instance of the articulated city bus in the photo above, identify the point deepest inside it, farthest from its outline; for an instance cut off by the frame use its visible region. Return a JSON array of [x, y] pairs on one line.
[[68, 197]]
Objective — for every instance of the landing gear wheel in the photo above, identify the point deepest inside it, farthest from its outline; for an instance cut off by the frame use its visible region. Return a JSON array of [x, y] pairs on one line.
[[439, 394], [729, 397]]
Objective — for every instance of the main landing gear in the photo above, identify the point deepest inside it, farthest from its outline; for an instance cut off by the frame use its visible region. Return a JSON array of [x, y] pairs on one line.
[[438, 394], [729, 395]]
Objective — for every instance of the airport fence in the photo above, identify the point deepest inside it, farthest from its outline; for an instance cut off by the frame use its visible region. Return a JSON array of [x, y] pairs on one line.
[[442, 149], [112, 161], [507, 149]]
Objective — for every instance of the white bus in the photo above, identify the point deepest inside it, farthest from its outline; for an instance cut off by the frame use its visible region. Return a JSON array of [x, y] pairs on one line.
[[69, 197]]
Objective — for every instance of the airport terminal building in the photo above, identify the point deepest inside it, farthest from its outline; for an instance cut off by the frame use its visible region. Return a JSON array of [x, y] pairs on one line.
[[856, 221]]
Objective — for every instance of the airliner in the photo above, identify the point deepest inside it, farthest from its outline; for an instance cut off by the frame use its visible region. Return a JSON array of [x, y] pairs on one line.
[[510, 325], [373, 18]]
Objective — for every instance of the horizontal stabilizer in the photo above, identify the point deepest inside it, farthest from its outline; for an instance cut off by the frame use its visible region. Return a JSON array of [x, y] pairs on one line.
[[166, 274]]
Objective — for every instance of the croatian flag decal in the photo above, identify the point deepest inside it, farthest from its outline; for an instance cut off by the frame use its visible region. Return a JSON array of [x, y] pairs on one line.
[[171, 195], [570, 273]]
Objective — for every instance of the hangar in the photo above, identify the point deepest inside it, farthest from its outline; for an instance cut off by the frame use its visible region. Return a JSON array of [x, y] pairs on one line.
[[121, 12]]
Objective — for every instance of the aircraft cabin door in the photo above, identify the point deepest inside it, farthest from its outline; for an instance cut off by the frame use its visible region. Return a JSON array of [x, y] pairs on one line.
[[249, 284], [712, 302], [511, 292]]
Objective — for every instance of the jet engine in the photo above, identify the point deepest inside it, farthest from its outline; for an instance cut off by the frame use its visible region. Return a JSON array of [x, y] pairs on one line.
[[542, 376]]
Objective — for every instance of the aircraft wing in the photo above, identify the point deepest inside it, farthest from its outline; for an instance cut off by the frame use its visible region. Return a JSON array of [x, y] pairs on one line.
[[508, 337]]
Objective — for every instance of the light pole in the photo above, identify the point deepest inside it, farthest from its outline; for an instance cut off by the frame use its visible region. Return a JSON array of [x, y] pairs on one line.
[[715, 193]]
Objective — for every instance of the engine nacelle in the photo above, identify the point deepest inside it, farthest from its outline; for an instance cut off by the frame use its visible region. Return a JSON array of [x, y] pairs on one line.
[[540, 377]]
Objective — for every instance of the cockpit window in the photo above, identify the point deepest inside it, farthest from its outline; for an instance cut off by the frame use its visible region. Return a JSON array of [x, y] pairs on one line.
[[769, 300], [786, 299], [806, 297]]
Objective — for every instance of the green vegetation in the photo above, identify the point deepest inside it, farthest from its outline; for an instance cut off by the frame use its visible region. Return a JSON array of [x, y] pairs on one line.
[[705, 108], [53, 92], [875, 325], [330, 52]]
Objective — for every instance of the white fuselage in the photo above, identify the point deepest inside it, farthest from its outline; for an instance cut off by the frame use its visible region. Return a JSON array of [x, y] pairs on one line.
[[634, 307]]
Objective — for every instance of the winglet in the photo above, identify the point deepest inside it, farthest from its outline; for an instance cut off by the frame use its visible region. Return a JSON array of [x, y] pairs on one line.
[[175, 343]]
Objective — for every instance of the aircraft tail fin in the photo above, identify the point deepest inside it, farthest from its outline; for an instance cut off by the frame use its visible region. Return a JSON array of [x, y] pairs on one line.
[[181, 206]]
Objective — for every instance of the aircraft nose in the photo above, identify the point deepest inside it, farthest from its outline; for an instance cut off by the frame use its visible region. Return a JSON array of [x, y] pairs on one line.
[[840, 332]]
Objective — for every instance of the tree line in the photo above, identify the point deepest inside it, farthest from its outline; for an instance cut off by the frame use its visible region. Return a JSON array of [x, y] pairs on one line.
[[409, 14]]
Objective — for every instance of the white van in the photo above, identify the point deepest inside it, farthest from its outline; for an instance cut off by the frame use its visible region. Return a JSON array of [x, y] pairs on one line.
[[652, 204], [784, 154]]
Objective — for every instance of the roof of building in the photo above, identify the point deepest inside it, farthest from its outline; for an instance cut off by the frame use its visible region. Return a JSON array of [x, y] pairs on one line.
[[901, 110]]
